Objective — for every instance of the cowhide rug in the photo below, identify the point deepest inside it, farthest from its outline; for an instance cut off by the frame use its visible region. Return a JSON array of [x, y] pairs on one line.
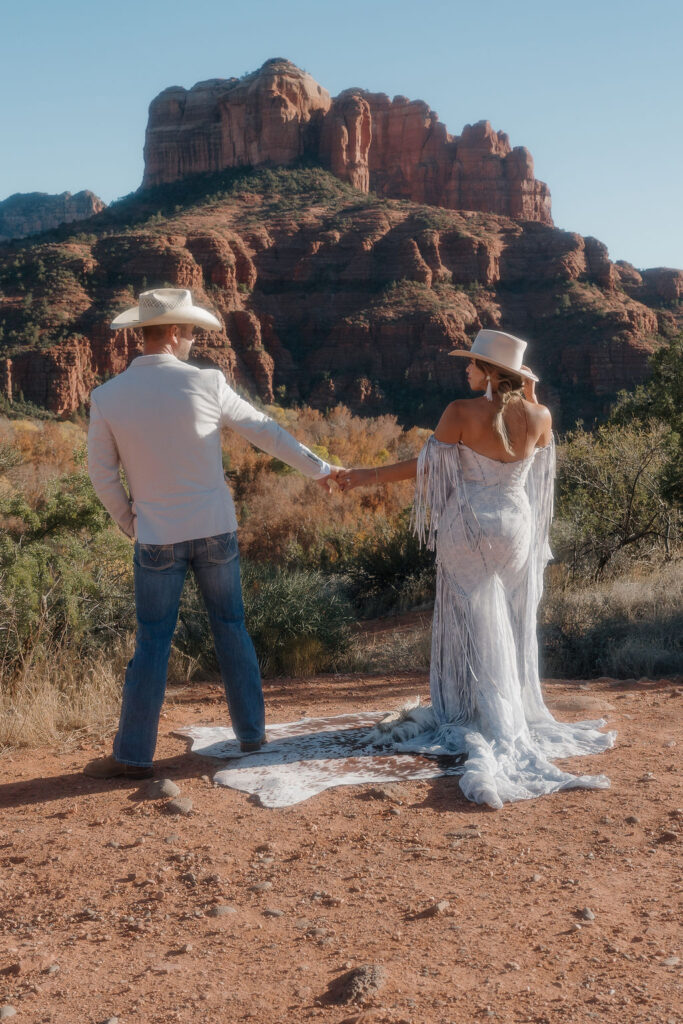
[[306, 757]]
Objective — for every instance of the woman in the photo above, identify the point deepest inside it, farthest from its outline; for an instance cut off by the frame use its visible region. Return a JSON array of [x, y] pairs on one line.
[[484, 500]]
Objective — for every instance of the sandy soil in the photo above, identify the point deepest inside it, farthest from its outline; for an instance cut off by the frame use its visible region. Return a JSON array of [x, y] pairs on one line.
[[108, 901]]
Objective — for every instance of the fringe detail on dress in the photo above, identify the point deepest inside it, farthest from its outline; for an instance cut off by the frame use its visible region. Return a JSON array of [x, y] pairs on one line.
[[540, 488], [454, 661], [439, 478]]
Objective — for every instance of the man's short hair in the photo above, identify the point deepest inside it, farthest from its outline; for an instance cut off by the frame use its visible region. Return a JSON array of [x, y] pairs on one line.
[[156, 332]]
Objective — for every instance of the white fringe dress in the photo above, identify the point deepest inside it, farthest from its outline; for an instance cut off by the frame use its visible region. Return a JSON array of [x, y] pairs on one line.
[[489, 523]]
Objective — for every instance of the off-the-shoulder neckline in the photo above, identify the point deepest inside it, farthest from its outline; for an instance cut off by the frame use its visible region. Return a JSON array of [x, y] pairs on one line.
[[480, 455]]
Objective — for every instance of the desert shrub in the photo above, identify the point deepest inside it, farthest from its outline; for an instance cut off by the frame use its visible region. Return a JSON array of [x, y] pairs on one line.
[[39, 443], [628, 627], [298, 620], [388, 570], [9, 456], [59, 592], [610, 495], [660, 401], [19, 408], [64, 575]]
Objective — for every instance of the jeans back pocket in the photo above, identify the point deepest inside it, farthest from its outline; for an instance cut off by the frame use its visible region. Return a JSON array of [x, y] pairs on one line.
[[156, 556], [222, 548]]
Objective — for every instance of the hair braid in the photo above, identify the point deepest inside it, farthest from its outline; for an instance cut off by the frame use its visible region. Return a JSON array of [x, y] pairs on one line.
[[510, 389]]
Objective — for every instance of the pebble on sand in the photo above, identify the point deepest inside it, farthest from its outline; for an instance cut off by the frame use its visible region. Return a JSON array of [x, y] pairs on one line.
[[6, 1012], [181, 805], [221, 911], [162, 788], [358, 985], [667, 837]]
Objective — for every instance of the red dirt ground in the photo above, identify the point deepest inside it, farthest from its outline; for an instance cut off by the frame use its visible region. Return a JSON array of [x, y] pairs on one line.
[[91, 930]]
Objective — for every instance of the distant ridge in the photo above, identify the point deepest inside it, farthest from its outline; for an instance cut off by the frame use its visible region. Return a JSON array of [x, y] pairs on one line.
[[30, 213]]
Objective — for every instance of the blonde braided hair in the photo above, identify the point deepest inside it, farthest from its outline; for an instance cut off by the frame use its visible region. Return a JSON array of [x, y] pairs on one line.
[[510, 389]]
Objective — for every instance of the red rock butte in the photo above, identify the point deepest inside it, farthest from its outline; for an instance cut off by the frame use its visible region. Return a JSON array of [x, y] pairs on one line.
[[397, 148]]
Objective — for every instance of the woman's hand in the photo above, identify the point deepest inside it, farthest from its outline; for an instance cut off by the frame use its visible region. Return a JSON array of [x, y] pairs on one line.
[[530, 388], [347, 479]]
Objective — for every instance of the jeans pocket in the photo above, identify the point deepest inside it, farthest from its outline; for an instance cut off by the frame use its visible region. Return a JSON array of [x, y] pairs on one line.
[[222, 548], [156, 556]]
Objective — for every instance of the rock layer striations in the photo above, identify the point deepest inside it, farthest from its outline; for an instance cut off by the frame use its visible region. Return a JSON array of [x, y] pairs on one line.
[[397, 148], [325, 298]]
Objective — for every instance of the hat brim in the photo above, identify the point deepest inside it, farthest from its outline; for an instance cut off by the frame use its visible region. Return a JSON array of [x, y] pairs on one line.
[[193, 315], [527, 374]]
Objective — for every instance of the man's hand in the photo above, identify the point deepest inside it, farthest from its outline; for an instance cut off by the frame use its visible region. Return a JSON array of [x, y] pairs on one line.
[[334, 474]]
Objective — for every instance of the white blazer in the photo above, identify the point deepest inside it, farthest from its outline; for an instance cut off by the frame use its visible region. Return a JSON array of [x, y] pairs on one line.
[[161, 420]]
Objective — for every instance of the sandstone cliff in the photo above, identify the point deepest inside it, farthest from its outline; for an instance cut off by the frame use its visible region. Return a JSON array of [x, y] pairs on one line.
[[397, 148], [272, 116], [325, 296], [29, 213]]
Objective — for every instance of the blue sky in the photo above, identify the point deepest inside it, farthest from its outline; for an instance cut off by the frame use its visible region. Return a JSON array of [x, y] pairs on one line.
[[593, 89]]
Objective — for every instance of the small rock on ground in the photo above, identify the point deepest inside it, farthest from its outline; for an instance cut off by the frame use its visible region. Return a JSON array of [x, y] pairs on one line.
[[221, 911], [587, 914], [181, 805], [7, 1011], [357, 985], [162, 788], [434, 910], [667, 837]]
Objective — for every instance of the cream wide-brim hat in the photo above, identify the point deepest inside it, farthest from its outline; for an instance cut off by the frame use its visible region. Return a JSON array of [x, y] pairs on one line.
[[165, 306], [502, 350]]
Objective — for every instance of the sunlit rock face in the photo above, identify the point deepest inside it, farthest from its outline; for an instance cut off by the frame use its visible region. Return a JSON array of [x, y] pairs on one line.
[[272, 116], [397, 148]]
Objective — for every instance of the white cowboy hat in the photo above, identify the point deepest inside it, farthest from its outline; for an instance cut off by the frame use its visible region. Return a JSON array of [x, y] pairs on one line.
[[499, 349], [165, 306]]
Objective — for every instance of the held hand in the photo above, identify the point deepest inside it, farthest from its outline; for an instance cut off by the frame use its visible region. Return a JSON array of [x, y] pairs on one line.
[[350, 478], [334, 474]]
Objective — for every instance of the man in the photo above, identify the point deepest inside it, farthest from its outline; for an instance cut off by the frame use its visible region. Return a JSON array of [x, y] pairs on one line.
[[161, 421]]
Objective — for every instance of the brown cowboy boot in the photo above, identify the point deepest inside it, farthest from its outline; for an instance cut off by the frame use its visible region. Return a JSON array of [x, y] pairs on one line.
[[110, 768]]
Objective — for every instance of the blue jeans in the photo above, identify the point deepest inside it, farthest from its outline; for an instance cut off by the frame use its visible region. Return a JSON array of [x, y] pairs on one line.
[[160, 571]]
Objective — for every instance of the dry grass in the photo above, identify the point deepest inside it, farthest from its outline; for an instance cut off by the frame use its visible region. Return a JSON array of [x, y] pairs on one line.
[[391, 649], [629, 627], [59, 698]]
